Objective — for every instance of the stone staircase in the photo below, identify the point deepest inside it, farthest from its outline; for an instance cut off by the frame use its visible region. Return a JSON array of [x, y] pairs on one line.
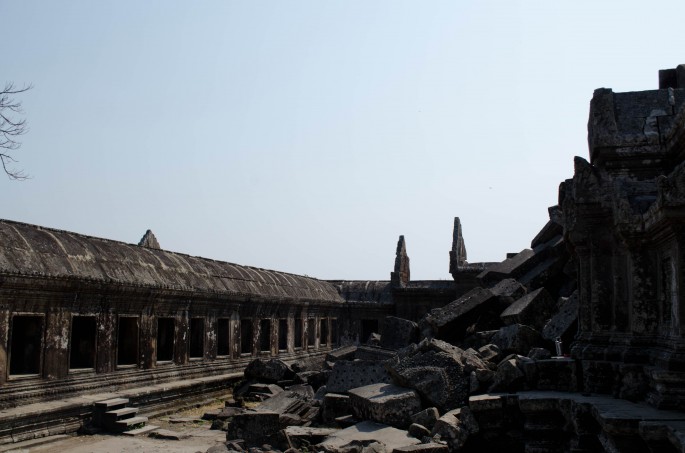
[[115, 416]]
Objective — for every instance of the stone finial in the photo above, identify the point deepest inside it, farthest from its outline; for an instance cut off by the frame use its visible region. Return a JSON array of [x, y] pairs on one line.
[[672, 78], [400, 277], [149, 240], [458, 252]]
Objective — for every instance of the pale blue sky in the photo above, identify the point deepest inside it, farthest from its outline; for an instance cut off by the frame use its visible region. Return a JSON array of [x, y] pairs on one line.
[[306, 136]]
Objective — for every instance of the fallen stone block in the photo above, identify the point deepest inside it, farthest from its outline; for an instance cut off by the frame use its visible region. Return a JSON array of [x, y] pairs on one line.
[[255, 428], [512, 267], [374, 354], [347, 421], [303, 389], [301, 436], [397, 333], [168, 435], [550, 272], [269, 371], [439, 371], [562, 323], [344, 353], [335, 405], [552, 228], [430, 447], [267, 390], [419, 431], [477, 310], [358, 373], [385, 403], [313, 378], [517, 339], [552, 374], [509, 375], [229, 412], [211, 414], [426, 417], [539, 354], [294, 408], [533, 309], [509, 289], [490, 353], [390, 437], [455, 427]]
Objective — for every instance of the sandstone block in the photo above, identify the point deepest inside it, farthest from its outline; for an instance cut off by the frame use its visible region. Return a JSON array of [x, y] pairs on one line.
[[563, 320], [479, 309], [439, 371], [455, 427], [385, 403], [426, 417], [255, 428], [533, 309], [398, 333], [358, 373], [391, 438], [335, 405], [272, 370], [517, 338]]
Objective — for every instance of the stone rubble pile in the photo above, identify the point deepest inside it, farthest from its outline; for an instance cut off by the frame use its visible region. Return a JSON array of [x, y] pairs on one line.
[[408, 390]]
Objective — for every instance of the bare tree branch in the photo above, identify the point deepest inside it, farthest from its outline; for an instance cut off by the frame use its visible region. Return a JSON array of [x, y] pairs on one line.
[[11, 128]]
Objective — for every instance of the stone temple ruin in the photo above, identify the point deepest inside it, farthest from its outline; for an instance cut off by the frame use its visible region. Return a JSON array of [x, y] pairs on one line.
[[572, 345]]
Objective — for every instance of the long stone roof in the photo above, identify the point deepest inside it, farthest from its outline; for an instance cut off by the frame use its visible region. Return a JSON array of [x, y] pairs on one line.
[[35, 251]]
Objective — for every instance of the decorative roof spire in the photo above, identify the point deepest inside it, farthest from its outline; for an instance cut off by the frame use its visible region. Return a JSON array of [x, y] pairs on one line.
[[149, 240], [400, 277]]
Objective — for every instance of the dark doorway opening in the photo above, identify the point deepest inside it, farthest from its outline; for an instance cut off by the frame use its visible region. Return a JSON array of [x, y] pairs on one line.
[[223, 341], [311, 332], [165, 339], [26, 344], [323, 341], [282, 334], [246, 336], [298, 333], [127, 341], [197, 338], [83, 333], [369, 326], [265, 335], [334, 332]]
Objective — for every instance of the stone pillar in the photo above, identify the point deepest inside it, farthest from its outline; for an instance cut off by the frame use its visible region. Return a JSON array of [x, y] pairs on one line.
[[291, 331], [211, 326], [274, 336], [621, 302], [317, 330], [148, 341], [4, 343], [234, 333], [181, 338], [256, 332], [645, 306], [106, 325], [56, 358]]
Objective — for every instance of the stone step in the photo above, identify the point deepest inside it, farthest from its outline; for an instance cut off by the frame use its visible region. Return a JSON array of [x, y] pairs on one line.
[[111, 404], [125, 424], [141, 431], [120, 414]]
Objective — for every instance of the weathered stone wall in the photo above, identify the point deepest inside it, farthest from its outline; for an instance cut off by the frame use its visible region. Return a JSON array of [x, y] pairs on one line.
[[624, 219]]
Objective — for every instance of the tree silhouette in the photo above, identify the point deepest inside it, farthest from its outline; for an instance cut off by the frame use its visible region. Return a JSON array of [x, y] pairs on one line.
[[12, 125]]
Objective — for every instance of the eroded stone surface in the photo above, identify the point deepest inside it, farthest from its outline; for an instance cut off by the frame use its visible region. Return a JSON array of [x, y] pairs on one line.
[[385, 403]]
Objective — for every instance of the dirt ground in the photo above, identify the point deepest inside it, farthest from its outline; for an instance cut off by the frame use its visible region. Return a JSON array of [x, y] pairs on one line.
[[187, 422]]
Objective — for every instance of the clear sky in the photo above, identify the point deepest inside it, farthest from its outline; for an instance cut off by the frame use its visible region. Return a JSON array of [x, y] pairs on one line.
[[306, 136]]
